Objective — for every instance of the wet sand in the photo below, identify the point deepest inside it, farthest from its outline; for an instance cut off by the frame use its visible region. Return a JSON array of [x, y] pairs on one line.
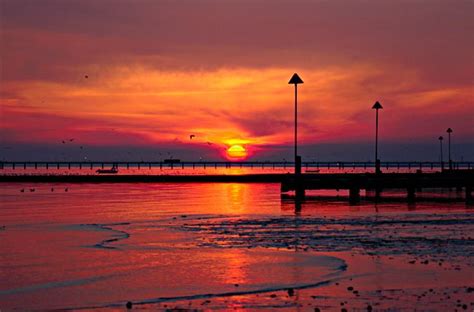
[[221, 246]]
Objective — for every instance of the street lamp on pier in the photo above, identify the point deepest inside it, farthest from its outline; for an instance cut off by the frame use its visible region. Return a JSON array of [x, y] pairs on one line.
[[295, 79], [449, 131], [377, 106]]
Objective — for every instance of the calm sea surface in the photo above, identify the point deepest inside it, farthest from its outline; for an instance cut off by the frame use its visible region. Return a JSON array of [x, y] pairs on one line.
[[101, 245]]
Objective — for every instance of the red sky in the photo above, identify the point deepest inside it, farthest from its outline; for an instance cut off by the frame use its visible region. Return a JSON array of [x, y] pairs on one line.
[[158, 71]]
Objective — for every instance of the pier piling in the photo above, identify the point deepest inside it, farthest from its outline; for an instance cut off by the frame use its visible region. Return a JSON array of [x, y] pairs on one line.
[[354, 195]]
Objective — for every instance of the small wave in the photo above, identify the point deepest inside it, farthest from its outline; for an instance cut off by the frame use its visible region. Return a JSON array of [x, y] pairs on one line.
[[117, 236], [57, 284]]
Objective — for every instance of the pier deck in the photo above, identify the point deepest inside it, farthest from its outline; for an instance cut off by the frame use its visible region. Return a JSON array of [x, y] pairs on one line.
[[411, 182]]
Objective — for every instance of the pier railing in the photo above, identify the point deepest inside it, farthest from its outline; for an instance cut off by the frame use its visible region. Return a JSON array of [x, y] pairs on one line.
[[340, 165]]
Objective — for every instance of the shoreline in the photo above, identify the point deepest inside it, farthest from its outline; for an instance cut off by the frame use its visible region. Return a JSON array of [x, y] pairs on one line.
[[241, 178]]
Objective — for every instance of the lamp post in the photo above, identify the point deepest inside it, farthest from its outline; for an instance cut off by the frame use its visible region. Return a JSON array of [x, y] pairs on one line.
[[377, 106], [441, 152], [449, 131], [295, 79]]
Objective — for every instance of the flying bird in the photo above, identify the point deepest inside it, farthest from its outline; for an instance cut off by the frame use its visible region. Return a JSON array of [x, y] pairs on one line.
[[209, 143], [86, 76], [70, 140], [192, 136]]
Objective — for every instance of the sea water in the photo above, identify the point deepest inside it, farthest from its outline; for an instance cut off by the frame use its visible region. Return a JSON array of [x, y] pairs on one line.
[[74, 246]]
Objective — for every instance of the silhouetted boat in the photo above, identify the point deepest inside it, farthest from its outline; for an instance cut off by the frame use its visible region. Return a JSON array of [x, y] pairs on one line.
[[112, 170]]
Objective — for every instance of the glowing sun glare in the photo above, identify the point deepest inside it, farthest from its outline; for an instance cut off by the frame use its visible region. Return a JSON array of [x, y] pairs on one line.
[[236, 152]]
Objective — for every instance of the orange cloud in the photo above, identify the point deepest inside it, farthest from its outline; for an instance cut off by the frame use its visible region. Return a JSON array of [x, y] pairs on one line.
[[246, 106]]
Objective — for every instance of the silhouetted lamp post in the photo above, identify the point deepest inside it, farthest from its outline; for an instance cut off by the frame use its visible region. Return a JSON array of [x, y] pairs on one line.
[[377, 106], [449, 131], [295, 79], [441, 152]]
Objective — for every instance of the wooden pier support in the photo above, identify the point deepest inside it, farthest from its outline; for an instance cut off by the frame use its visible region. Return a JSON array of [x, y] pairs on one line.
[[411, 193], [469, 198], [354, 195], [298, 165], [378, 193], [300, 192]]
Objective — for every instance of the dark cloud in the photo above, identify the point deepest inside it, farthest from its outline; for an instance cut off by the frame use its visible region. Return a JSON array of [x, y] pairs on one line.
[[195, 34]]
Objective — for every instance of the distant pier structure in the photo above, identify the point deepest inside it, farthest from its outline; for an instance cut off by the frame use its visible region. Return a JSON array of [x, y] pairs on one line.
[[351, 176], [307, 165]]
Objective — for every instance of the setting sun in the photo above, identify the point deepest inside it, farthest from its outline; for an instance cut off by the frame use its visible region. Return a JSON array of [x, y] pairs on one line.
[[236, 152]]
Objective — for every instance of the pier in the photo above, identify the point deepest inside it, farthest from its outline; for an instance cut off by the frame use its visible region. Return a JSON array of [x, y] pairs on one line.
[[412, 177], [307, 165], [413, 183]]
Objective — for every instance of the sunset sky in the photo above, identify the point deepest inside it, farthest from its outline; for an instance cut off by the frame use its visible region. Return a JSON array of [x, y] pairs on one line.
[[134, 79]]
